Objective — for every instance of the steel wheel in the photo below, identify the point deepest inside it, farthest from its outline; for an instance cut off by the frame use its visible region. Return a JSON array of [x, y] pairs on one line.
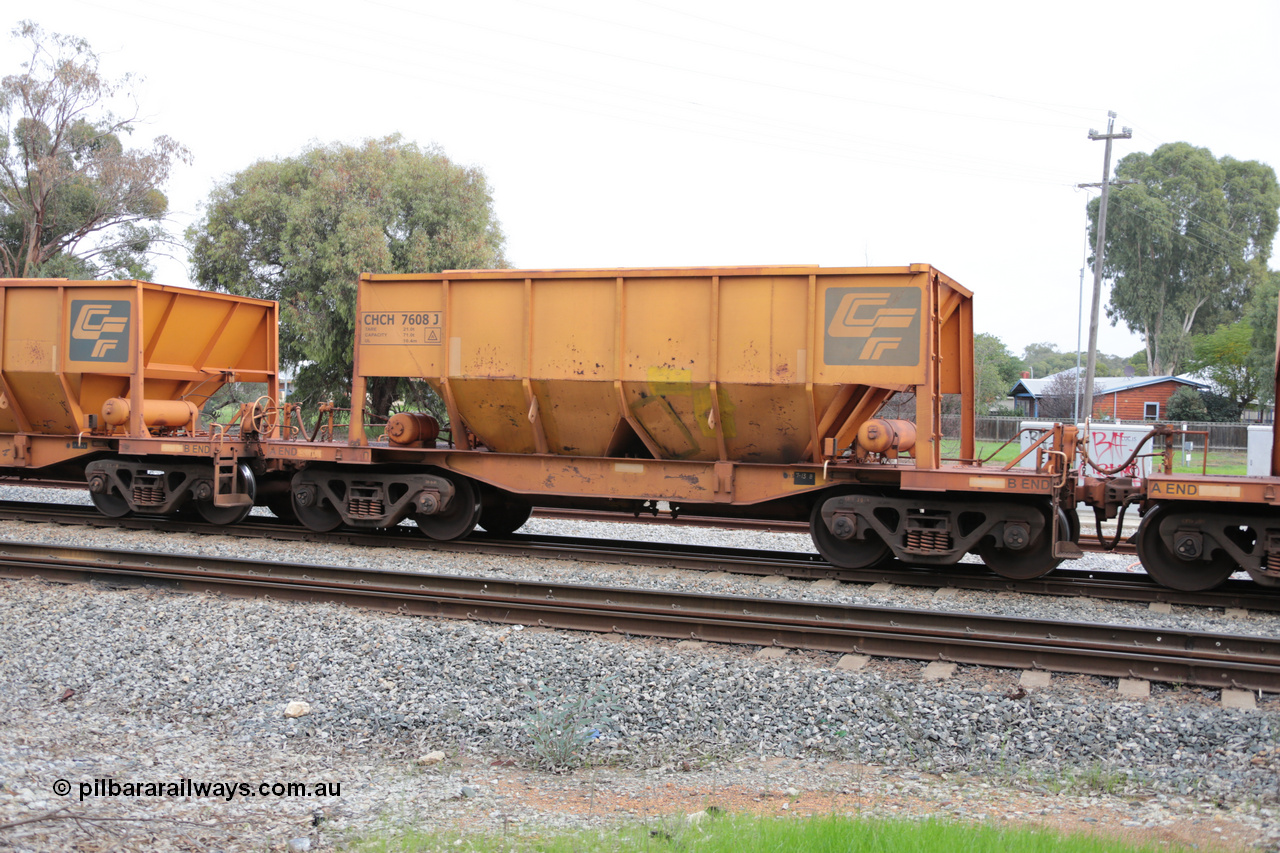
[[1167, 568], [112, 505], [230, 514], [503, 514], [319, 515], [1073, 523], [1033, 561], [846, 553], [461, 516]]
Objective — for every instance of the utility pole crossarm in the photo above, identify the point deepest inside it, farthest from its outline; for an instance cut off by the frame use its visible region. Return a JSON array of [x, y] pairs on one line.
[[1125, 133]]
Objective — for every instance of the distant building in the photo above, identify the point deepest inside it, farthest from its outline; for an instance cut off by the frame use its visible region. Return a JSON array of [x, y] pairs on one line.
[[1115, 398]]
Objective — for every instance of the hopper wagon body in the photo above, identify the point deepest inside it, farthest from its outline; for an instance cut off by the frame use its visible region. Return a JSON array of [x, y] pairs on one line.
[[98, 379], [749, 391]]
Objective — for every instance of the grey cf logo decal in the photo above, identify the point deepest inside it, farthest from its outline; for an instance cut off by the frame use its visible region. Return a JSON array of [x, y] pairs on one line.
[[872, 326], [100, 330]]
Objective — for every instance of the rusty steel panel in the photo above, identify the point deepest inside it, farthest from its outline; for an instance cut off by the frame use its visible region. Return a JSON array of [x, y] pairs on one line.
[[1219, 489], [742, 364], [990, 480], [68, 347]]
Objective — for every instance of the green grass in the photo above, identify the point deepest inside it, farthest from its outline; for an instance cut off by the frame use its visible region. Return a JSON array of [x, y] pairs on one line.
[[748, 834], [1221, 462], [951, 450], [1007, 453]]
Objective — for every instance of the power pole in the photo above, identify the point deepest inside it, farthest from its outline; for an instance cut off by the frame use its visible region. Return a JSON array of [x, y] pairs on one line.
[[1125, 133], [1075, 412]]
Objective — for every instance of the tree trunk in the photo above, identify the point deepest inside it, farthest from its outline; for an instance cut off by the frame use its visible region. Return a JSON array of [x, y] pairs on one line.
[[382, 393]]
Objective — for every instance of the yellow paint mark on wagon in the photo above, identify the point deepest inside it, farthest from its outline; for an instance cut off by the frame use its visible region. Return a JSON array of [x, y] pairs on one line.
[[1209, 491], [299, 452], [677, 383], [628, 468], [1019, 483], [186, 448], [1195, 490], [986, 482], [678, 376]]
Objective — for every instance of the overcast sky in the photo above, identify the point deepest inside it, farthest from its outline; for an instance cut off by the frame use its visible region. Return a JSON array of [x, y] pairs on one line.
[[698, 132]]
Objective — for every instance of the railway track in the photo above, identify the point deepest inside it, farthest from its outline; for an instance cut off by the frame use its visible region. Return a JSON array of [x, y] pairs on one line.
[[1210, 660], [1118, 586]]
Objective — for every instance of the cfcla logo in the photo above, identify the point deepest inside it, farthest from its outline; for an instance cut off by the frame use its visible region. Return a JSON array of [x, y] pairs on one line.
[[100, 330], [849, 323], [873, 327]]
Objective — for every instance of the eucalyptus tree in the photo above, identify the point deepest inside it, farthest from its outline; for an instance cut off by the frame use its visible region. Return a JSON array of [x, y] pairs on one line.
[[1186, 241], [74, 200], [996, 370], [301, 229]]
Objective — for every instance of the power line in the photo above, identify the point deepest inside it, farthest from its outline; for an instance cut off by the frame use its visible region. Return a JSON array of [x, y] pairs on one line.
[[655, 110], [906, 76]]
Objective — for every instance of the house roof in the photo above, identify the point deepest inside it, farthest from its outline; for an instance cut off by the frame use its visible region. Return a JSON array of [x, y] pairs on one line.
[[1102, 384]]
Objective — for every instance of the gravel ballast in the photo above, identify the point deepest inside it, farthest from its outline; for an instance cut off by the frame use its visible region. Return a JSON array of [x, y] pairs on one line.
[[141, 684]]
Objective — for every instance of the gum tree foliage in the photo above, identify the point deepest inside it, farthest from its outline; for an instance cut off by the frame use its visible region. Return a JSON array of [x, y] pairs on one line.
[[1220, 409], [301, 229], [1239, 358], [1185, 244], [996, 370], [1226, 357], [74, 201], [1260, 315], [1045, 359]]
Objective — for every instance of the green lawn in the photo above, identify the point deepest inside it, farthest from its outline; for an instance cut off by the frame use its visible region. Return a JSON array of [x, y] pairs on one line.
[[1220, 461], [750, 834]]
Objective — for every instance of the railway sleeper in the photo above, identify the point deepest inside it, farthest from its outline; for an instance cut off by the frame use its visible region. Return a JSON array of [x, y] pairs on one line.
[[939, 532]]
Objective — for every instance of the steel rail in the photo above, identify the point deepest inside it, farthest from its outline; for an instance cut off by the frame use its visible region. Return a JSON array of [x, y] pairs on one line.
[[1211, 660], [665, 519], [1116, 586], [1089, 542]]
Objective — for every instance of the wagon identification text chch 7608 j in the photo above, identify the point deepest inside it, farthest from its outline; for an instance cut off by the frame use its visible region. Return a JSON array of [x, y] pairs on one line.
[[401, 328]]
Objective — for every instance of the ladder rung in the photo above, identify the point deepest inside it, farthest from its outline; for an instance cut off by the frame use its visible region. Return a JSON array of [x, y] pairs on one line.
[[227, 474]]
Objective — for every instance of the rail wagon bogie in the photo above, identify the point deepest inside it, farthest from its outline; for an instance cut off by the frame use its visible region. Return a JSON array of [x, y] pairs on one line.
[[1195, 546]]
